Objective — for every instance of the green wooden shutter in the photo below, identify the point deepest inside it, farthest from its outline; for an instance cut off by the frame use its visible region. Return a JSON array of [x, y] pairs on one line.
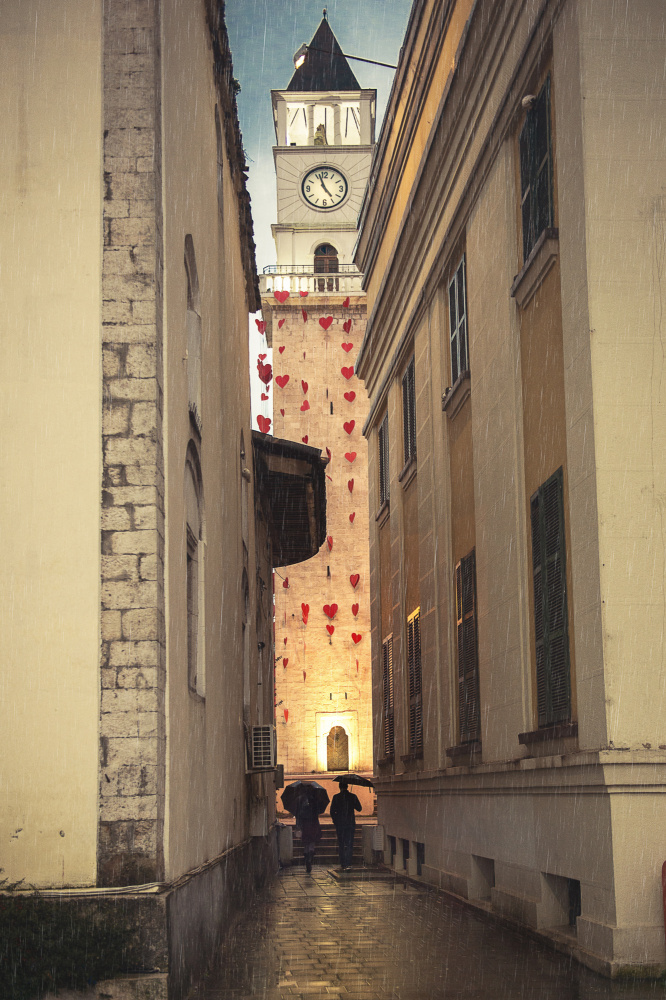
[[409, 412], [469, 708], [415, 697], [388, 738], [383, 462], [550, 602]]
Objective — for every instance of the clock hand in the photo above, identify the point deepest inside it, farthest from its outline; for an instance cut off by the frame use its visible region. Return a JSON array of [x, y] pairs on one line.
[[325, 188]]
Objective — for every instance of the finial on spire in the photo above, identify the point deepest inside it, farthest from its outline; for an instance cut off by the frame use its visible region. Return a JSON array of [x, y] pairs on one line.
[[325, 13]]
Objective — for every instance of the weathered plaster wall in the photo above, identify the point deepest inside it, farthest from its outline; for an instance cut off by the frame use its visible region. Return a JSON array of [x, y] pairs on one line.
[[208, 795], [50, 221]]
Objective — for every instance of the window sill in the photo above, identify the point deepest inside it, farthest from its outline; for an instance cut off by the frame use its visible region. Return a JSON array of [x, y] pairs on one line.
[[408, 472], [465, 753], [385, 761], [536, 267], [383, 513], [455, 395], [557, 732], [409, 757]]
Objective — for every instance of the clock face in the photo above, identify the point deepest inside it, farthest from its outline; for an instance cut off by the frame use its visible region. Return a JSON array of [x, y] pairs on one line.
[[324, 187]]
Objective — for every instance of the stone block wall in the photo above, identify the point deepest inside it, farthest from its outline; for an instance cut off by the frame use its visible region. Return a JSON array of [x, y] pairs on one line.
[[132, 725]]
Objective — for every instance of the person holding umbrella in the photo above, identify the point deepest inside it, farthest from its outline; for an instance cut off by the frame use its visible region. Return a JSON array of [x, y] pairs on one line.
[[306, 800], [343, 808]]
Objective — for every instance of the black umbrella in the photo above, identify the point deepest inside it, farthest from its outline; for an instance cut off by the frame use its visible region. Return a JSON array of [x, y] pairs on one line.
[[354, 779], [299, 792]]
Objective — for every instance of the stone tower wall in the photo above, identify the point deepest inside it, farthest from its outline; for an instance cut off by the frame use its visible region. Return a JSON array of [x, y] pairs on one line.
[[323, 678]]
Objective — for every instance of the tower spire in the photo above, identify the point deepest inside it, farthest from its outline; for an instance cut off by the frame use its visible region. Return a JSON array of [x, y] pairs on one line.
[[325, 66]]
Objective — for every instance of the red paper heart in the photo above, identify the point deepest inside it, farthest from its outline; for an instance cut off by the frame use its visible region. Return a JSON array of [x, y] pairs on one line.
[[285, 640], [349, 425], [281, 349], [350, 455], [304, 314], [304, 675], [330, 629], [285, 661], [262, 357], [330, 610], [305, 608], [281, 412], [282, 380], [264, 396], [280, 325], [285, 582], [286, 715], [325, 322], [328, 452], [347, 372], [352, 516], [264, 424], [354, 578], [347, 347], [356, 637], [330, 543], [305, 405], [329, 477], [304, 386], [354, 610], [304, 439], [350, 485], [281, 296], [345, 304], [261, 325], [347, 325], [350, 396], [265, 372], [303, 295]]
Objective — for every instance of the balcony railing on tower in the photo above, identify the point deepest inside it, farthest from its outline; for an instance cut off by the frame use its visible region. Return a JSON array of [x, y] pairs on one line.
[[346, 278]]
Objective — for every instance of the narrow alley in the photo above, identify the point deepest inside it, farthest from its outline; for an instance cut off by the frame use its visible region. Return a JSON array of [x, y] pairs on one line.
[[380, 936]]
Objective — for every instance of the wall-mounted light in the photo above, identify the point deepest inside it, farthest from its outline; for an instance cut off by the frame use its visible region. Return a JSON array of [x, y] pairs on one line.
[[301, 54]]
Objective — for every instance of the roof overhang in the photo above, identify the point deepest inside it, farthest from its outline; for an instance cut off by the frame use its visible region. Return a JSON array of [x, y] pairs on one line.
[[290, 485]]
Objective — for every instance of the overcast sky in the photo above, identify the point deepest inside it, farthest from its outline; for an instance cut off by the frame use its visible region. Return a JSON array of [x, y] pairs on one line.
[[264, 34]]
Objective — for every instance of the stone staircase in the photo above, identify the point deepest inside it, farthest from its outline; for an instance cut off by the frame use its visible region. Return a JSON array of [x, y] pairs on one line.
[[326, 853]]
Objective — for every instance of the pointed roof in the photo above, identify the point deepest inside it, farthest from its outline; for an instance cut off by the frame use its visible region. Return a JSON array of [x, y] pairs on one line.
[[325, 66]]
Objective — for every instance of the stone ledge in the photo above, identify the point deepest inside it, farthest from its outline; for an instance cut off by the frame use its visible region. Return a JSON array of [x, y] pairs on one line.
[[536, 267]]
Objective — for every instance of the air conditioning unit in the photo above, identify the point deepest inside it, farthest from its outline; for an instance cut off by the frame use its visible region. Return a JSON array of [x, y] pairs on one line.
[[263, 748]]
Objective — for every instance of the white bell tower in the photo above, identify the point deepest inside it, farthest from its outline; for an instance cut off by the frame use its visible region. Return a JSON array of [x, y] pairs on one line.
[[325, 131]]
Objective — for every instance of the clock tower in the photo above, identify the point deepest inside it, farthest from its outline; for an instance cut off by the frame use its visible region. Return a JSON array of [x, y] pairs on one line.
[[315, 315]]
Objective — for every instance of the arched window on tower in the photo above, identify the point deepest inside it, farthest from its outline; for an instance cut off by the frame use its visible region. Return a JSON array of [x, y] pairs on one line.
[[193, 334], [326, 262]]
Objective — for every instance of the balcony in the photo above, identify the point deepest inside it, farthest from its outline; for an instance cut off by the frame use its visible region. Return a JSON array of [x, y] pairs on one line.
[[302, 278]]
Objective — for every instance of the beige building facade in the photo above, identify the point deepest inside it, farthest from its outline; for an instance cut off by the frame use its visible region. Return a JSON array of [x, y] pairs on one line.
[[315, 317], [138, 682], [510, 242]]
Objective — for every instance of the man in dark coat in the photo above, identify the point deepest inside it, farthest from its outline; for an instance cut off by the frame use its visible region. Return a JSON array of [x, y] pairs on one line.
[[307, 820], [343, 806]]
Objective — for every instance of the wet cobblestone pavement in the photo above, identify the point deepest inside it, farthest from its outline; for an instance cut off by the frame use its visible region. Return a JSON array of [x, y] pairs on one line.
[[310, 937]]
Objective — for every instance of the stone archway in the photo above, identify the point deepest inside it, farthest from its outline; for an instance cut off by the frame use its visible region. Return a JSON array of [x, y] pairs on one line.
[[337, 749]]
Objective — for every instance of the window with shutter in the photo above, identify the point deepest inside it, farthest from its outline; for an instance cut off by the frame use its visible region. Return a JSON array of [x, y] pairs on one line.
[[458, 322], [383, 462], [415, 695], [409, 413], [388, 732], [551, 630], [469, 709], [536, 170]]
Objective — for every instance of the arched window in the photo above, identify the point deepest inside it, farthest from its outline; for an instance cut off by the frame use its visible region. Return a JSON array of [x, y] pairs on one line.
[[337, 749], [194, 532], [193, 333], [326, 262]]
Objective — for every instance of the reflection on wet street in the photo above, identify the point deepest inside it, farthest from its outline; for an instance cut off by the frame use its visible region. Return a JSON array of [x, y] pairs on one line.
[[312, 936]]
